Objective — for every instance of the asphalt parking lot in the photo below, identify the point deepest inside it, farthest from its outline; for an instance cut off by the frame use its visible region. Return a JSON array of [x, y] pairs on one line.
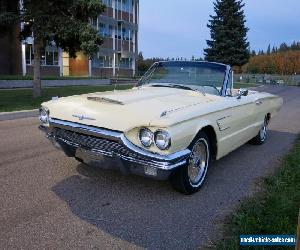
[[49, 201]]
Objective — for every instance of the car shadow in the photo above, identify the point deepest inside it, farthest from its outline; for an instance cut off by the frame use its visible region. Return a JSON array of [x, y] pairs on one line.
[[151, 214]]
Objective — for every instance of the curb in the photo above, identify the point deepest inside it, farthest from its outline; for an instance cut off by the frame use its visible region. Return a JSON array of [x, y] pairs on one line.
[[4, 116]]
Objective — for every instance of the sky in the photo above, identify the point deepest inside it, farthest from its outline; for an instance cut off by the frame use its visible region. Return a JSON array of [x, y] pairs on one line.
[[177, 28]]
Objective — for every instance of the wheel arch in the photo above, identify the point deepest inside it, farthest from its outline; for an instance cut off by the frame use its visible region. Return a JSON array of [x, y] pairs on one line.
[[268, 116], [209, 130]]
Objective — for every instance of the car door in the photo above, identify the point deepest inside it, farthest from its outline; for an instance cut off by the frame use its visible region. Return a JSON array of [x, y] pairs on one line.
[[237, 123]]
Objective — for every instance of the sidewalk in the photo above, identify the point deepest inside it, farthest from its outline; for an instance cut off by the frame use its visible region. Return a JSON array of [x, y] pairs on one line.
[[18, 114]]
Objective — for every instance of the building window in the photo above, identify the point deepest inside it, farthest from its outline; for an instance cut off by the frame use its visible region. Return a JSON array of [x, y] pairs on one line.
[[105, 30], [94, 22], [125, 5], [124, 33], [125, 63], [102, 62], [108, 3], [49, 56], [110, 30], [118, 33], [29, 54], [102, 28]]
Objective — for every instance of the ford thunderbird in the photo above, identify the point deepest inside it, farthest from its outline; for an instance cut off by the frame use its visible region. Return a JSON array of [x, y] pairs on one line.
[[177, 119]]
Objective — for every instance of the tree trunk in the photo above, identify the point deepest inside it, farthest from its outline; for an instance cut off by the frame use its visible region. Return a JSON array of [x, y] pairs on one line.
[[37, 69]]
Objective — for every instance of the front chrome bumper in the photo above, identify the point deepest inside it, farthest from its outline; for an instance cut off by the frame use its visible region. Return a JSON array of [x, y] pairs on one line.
[[101, 147]]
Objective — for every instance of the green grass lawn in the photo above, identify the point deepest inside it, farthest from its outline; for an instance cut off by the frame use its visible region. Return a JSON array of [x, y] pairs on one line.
[[21, 99], [273, 211]]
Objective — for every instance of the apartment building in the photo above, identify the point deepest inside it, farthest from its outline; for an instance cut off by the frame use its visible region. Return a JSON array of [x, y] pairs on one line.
[[118, 26]]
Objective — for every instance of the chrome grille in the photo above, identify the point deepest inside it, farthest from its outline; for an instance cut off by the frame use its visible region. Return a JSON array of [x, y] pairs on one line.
[[94, 143]]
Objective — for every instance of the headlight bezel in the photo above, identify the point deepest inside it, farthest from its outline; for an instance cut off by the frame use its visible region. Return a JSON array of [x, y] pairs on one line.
[[44, 115], [151, 137], [167, 144], [154, 138]]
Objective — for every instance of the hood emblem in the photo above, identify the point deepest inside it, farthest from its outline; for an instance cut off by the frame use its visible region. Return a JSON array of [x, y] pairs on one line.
[[82, 117]]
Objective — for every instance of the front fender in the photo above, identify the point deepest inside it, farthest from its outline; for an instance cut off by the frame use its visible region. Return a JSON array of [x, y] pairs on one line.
[[182, 134], [185, 132]]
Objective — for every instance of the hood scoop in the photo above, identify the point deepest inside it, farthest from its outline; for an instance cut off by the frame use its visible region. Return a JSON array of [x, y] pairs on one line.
[[104, 100]]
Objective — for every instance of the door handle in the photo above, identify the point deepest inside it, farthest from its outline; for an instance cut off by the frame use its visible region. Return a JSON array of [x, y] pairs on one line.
[[258, 102]]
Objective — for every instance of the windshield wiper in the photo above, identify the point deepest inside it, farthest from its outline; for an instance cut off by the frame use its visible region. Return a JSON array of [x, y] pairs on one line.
[[178, 86]]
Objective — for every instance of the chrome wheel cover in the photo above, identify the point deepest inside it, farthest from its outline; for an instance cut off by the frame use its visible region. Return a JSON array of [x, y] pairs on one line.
[[198, 162], [263, 132]]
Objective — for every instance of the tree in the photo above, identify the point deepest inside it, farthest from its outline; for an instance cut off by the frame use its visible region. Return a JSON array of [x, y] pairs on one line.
[[269, 50], [285, 63], [295, 46], [61, 22], [283, 47], [142, 64], [228, 32]]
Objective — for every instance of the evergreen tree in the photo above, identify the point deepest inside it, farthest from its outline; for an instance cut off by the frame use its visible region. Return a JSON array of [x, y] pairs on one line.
[[228, 32], [295, 46], [283, 47], [269, 50]]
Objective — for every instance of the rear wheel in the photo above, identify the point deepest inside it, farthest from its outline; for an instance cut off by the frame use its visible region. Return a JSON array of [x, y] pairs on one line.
[[188, 179], [262, 135]]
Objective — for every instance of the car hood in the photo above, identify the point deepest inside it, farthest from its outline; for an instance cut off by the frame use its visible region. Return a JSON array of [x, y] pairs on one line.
[[127, 109]]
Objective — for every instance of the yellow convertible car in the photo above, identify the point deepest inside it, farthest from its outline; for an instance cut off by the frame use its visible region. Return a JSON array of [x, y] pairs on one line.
[[171, 125]]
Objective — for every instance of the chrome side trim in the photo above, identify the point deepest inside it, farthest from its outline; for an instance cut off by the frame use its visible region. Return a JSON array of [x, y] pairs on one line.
[[165, 162]]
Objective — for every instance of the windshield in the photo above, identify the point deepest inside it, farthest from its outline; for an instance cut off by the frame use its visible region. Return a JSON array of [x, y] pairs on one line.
[[204, 76]]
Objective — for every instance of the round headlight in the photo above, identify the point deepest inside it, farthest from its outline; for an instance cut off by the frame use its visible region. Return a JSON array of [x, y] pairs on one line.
[[162, 140], [44, 115], [146, 137]]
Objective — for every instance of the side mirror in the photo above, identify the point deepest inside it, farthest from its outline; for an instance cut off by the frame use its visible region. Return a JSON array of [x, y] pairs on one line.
[[242, 92]]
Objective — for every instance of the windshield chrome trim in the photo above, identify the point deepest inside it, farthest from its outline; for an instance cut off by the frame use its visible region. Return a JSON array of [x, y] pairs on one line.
[[226, 81], [146, 73]]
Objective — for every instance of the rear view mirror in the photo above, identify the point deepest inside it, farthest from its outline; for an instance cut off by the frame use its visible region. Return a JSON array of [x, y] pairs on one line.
[[242, 92]]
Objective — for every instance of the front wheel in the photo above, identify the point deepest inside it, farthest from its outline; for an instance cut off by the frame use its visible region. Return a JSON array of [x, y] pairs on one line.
[[262, 135], [188, 179]]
